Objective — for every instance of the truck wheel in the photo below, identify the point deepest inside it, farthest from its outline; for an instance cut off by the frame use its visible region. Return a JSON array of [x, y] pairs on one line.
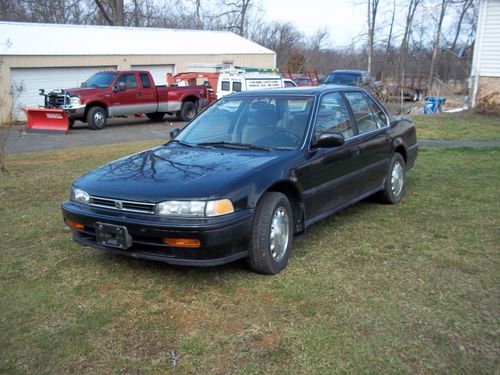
[[157, 116], [272, 234], [96, 118], [188, 111]]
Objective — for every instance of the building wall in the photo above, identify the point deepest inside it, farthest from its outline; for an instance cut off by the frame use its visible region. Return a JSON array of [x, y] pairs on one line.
[[486, 61], [180, 63]]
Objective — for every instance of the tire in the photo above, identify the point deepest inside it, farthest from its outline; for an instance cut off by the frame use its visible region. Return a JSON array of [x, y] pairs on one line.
[[156, 116], [71, 123], [272, 235], [96, 118], [414, 96], [188, 111], [395, 181]]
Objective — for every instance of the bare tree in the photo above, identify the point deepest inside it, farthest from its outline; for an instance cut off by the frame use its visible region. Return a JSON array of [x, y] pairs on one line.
[[437, 37], [236, 15], [112, 11], [372, 15], [403, 50]]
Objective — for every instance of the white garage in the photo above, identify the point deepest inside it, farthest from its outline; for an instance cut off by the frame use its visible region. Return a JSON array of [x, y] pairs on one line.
[[159, 72], [28, 62], [25, 83]]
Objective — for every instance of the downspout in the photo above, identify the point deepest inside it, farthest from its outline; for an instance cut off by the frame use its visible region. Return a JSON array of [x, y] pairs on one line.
[[477, 51]]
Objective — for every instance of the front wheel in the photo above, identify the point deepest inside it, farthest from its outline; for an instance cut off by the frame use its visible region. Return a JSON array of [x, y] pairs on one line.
[[272, 234], [395, 181], [188, 111], [96, 118]]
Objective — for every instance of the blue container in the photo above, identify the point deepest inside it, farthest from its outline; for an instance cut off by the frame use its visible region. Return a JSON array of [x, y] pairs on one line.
[[433, 104]]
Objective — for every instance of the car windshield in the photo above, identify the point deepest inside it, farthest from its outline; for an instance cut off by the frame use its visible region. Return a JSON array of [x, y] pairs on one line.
[[350, 79], [264, 122], [101, 80]]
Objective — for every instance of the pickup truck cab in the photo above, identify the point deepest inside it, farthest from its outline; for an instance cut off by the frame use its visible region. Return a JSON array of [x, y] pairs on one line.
[[121, 93]]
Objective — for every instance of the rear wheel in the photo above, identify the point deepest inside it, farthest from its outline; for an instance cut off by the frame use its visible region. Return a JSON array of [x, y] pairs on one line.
[[96, 118], [272, 234], [156, 116], [188, 111], [395, 182]]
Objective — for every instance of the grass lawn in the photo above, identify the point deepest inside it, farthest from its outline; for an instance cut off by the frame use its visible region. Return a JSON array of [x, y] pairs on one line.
[[458, 126], [375, 289]]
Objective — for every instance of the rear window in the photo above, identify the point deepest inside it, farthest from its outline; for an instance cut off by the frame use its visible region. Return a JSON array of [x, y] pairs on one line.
[[350, 79], [145, 80]]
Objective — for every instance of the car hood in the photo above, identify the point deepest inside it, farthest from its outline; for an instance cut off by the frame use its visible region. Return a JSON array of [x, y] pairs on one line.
[[173, 171], [84, 91]]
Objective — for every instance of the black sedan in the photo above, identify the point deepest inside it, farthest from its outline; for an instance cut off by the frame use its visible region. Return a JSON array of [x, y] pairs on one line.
[[244, 177]]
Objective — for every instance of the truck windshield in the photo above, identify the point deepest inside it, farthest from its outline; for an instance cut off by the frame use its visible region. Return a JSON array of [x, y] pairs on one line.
[[350, 79], [101, 80], [265, 122]]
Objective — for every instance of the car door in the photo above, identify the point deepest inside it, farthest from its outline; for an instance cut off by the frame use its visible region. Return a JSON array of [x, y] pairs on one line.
[[329, 177], [147, 94], [375, 141], [124, 102]]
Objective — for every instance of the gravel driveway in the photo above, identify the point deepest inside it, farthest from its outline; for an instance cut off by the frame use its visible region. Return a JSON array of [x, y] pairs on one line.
[[127, 130], [117, 131]]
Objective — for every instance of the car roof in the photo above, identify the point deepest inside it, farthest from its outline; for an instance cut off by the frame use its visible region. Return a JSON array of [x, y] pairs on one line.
[[304, 90], [350, 71]]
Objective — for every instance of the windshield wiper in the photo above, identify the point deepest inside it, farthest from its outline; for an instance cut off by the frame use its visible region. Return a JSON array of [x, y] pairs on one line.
[[239, 146], [180, 142]]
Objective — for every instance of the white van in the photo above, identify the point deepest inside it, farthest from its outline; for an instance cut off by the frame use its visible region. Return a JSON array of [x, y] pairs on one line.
[[236, 80]]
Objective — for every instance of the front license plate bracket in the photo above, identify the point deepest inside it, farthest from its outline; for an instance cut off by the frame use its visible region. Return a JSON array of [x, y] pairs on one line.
[[113, 236]]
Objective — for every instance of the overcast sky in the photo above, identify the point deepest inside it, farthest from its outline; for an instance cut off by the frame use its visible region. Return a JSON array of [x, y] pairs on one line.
[[344, 20]]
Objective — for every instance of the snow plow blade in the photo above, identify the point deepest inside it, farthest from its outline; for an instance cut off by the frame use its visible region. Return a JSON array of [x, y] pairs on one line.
[[46, 120]]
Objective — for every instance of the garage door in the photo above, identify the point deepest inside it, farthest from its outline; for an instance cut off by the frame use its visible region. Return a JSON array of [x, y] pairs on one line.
[[25, 83], [159, 72]]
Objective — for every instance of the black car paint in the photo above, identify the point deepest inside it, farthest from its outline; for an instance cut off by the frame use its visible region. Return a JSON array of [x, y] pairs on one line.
[[317, 181]]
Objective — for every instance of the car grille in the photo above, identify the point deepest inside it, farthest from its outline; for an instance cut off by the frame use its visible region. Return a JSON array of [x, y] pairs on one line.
[[56, 100], [121, 205]]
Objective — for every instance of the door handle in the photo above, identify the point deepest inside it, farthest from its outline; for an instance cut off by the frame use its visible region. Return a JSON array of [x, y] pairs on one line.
[[140, 94], [355, 151]]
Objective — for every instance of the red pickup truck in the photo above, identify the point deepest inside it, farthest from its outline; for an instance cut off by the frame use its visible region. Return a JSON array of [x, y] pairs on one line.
[[120, 93]]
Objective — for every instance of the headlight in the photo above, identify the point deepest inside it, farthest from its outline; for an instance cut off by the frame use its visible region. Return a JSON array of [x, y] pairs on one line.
[[195, 208], [74, 100], [78, 195]]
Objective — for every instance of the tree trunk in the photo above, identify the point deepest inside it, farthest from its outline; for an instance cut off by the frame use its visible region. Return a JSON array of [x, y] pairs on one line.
[[437, 37]]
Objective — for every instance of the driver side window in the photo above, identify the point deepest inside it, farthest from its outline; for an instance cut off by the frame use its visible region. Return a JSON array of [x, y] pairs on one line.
[[129, 80], [333, 116]]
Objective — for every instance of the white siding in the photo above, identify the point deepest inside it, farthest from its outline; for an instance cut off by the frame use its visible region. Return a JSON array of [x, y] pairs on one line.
[[488, 63], [25, 83]]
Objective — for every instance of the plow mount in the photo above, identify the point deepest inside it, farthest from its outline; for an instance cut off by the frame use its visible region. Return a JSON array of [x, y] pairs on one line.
[[46, 120]]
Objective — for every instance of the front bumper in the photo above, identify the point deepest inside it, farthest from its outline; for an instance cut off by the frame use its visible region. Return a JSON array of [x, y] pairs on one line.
[[223, 239], [75, 112]]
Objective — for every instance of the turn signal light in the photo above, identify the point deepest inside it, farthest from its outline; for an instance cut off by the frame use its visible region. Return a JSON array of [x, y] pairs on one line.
[[182, 242], [75, 225]]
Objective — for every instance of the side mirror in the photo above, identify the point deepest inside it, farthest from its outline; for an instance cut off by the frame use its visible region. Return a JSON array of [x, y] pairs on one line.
[[119, 87], [174, 133], [329, 140]]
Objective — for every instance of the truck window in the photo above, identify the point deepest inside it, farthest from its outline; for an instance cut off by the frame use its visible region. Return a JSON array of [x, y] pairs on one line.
[[129, 80], [237, 86], [145, 80], [225, 86]]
